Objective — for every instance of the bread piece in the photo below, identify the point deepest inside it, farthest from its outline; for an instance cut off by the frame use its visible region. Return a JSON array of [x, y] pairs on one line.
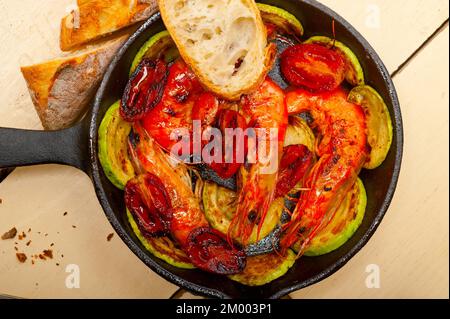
[[96, 19], [223, 41], [61, 89]]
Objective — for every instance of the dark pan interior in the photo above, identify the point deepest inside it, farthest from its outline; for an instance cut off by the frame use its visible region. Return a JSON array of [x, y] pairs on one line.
[[380, 183]]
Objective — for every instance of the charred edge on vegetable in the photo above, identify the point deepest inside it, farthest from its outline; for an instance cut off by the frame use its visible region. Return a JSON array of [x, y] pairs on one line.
[[131, 112], [209, 174]]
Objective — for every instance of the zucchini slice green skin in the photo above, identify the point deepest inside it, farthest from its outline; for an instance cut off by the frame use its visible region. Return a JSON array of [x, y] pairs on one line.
[[159, 43], [219, 205], [344, 224], [379, 123], [355, 72], [281, 18], [113, 147], [263, 269], [163, 248]]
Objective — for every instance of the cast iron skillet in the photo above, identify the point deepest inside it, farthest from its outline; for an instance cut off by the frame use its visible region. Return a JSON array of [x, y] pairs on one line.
[[77, 146]]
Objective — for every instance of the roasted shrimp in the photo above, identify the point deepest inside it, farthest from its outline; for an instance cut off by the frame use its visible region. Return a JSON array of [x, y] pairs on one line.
[[342, 151], [265, 111], [206, 248]]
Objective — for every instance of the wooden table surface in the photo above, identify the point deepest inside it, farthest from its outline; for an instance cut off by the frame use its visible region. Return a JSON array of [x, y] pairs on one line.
[[410, 248]]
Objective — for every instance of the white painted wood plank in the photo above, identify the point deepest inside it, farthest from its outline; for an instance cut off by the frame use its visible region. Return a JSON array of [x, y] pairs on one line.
[[411, 245]]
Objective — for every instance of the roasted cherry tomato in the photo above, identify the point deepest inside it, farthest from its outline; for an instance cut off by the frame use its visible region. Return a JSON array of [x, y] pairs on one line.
[[294, 165], [173, 114], [148, 201], [209, 250], [144, 90], [313, 66], [229, 119]]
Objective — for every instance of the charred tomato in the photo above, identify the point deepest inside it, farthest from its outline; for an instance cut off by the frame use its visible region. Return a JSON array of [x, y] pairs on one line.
[[143, 90], [295, 163], [314, 67], [209, 250], [173, 114], [234, 146], [149, 203]]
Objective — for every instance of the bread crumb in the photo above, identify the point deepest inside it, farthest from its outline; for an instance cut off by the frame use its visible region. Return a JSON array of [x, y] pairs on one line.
[[21, 257], [28, 243], [10, 234], [48, 253], [22, 236], [65, 214], [16, 249], [73, 226], [42, 257], [110, 236]]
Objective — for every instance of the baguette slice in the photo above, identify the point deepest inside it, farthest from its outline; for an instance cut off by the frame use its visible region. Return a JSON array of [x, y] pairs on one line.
[[61, 89], [96, 19], [223, 41]]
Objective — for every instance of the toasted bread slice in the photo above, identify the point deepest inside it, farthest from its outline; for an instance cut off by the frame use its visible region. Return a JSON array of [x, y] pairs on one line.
[[96, 19], [223, 41], [61, 89]]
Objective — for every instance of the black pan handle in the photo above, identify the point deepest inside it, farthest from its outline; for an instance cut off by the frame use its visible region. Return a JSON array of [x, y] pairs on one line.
[[27, 147]]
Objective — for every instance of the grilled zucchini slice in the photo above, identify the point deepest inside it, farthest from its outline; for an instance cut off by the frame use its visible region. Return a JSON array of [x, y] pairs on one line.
[[160, 45], [343, 225], [220, 203], [163, 247], [263, 269], [281, 18], [379, 124], [113, 147], [298, 132]]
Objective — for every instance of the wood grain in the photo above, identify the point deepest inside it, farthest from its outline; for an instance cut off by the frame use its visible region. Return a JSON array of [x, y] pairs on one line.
[[29, 32], [411, 245], [394, 28], [108, 269]]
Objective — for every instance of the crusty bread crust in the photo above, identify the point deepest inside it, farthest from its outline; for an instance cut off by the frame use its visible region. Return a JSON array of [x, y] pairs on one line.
[[61, 89], [96, 19], [243, 26]]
